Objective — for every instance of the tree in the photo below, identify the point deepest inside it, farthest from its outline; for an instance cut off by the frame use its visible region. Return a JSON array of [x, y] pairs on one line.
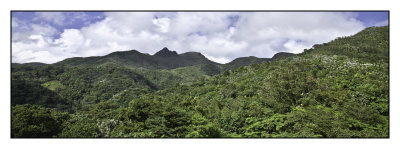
[[29, 121]]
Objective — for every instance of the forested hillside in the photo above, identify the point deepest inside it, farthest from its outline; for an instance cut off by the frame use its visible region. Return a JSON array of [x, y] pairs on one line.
[[76, 83], [338, 89]]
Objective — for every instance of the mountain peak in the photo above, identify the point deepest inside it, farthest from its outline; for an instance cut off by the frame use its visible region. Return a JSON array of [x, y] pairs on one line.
[[166, 53], [281, 55]]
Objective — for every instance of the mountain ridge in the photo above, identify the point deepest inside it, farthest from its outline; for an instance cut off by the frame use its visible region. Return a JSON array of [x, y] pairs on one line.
[[165, 53], [163, 59], [339, 89]]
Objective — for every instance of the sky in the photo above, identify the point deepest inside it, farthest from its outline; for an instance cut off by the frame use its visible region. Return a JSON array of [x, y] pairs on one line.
[[49, 37]]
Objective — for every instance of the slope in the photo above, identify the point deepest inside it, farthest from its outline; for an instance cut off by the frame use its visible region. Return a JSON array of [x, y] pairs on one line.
[[327, 91], [336, 90], [76, 79], [164, 59]]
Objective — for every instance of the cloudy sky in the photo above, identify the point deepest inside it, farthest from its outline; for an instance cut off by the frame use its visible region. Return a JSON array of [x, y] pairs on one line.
[[50, 37]]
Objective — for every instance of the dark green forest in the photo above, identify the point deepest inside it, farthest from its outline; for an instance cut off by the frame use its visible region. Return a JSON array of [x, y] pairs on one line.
[[338, 89]]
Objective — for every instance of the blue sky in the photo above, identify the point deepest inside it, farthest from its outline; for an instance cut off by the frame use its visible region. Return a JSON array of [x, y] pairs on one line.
[[221, 36], [75, 20], [370, 18]]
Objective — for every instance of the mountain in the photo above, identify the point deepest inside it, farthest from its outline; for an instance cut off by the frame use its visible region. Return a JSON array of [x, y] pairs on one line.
[[166, 53], [179, 68], [163, 59], [338, 89], [89, 80], [281, 55], [30, 64], [245, 61], [335, 90]]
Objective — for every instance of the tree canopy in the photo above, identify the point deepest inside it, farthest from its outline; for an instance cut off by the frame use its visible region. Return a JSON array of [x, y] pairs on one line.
[[338, 89]]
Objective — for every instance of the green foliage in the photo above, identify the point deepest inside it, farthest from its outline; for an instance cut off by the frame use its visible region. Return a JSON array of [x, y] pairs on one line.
[[80, 126], [134, 59], [201, 127], [334, 90], [31, 92], [54, 85], [29, 121], [245, 61], [369, 45]]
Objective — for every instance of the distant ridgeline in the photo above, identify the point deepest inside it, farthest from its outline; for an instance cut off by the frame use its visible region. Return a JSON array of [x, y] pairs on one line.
[[163, 59], [336, 89], [95, 79]]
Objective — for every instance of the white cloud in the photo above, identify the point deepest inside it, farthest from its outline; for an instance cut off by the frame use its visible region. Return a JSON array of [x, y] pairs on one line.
[[219, 59], [23, 34], [55, 17], [35, 56], [71, 41], [163, 24], [382, 23], [206, 23], [35, 45], [273, 28], [295, 46], [260, 34]]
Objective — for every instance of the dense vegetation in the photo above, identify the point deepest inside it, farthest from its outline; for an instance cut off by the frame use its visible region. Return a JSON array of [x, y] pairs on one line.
[[337, 90], [76, 83]]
